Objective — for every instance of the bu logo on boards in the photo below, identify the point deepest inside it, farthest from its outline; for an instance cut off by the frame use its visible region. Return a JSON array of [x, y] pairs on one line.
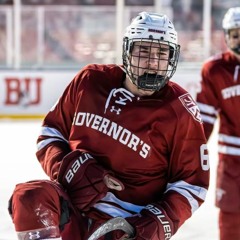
[[25, 92]]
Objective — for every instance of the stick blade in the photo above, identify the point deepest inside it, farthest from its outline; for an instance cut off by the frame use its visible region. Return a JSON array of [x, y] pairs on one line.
[[117, 223]]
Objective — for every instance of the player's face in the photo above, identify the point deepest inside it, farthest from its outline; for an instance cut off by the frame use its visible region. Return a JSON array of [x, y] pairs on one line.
[[149, 58], [233, 38]]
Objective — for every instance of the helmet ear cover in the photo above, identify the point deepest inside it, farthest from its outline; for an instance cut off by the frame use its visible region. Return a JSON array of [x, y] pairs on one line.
[[125, 44]]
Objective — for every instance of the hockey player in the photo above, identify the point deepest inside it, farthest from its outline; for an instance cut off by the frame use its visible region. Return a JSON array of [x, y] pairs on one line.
[[122, 141], [220, 97]]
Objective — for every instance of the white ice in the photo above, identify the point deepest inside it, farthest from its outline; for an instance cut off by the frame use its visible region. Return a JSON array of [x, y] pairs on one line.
[[19, 164]]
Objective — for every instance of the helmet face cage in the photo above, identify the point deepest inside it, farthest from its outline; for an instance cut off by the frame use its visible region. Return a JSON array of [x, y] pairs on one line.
[[157, 33], [146, 77]]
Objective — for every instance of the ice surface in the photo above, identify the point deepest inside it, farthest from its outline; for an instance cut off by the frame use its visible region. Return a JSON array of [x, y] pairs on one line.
[[19, 164]]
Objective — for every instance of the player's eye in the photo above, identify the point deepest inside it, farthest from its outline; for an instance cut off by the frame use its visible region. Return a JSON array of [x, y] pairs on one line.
[[235, 36], [144, 52]]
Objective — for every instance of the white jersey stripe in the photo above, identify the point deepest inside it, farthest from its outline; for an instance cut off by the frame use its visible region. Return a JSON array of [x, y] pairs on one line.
[[181, 187], [193, 202], [110, 197], [185, 189], [229, 139], [208, 119], [114, 211], [50, 132], [205, 108], [200, 192], [228, 150], [44, 143]]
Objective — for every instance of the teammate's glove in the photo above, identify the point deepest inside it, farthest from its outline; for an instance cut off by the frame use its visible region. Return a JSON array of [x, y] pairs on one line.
[[151, 223], [85, 180]]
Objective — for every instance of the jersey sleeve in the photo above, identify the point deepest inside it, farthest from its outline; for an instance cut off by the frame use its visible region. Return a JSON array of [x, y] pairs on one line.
[[207, 99], [188, 175], [53, 140]]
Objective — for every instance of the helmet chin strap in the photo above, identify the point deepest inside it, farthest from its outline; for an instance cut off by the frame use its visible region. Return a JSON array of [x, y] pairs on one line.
[[236, 49]]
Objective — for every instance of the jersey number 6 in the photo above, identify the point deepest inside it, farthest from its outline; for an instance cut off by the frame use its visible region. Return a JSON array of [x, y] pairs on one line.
[[204, 157]]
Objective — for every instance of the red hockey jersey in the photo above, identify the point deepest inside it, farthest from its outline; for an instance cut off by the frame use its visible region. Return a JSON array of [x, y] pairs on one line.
[[220, 97], [155, 145]]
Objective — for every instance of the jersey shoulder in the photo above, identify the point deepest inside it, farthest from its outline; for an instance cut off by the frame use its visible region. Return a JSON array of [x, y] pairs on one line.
[[218, 61], [105, 74], [215, 68], [183, 104], [214, 61], [102, 68]]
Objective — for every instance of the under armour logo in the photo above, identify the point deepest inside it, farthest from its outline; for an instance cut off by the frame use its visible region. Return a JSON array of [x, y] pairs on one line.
[[118, 98], [115, 110], [35, 235]]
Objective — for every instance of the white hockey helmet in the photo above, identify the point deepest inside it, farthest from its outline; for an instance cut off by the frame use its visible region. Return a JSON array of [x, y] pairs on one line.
[[231, 19], [153, 28]]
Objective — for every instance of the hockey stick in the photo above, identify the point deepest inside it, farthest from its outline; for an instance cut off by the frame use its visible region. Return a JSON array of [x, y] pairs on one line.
[[117, 223]]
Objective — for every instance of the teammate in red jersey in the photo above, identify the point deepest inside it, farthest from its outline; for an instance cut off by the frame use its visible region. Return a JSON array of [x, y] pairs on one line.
[[121, 141], [220, 96]]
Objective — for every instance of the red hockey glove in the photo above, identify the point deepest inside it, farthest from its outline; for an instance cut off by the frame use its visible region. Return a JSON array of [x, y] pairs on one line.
[[152, 223], [85, 180]]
